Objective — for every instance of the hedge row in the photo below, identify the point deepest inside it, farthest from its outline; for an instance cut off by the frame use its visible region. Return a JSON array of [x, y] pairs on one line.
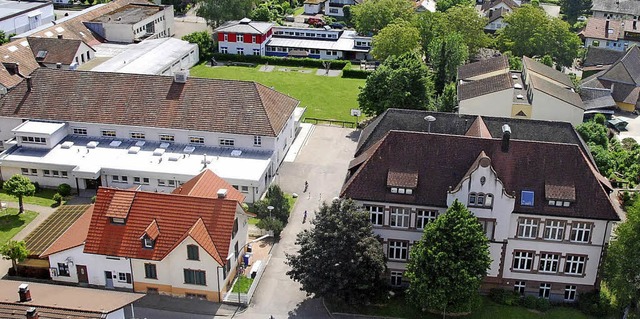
[[355, 74], [274, 60]]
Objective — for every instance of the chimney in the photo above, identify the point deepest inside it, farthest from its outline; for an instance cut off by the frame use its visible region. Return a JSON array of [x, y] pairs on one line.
[[635, 26], [606, 28], [222, 193], [180, 76], [506, 135], [24, 293], [28, 84], [59, 35], [32, 313]]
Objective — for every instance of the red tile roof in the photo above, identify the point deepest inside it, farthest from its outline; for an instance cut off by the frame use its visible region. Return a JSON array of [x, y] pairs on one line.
[[207, 184], [152, 230], [402, 179], [443, 160], [57, 50], [176, 216], [74, 236], [120, 205], [596, 28], [478, 129], [208, 105]]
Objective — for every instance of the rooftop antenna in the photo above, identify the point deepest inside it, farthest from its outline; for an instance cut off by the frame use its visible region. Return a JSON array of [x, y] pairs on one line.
[[429, 119]]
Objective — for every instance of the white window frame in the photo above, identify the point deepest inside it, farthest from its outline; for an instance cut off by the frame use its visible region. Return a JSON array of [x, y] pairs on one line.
[[399, 217], [137, 135], [398, 250], [520, 287], [549, 262], [257, 140], [424, 217], [108, 133], [581, 232], [575, 264], [115, 178], [224, 50], [80, 131], [545, 290], [171, 183], [376, 214], [528, 227], [523, 260], [227, 142], [395, 278], [162, 182], [137, 180], [570, 292], [196, 140], [46, 172], [167, 137], [554, 230], [240, 51]]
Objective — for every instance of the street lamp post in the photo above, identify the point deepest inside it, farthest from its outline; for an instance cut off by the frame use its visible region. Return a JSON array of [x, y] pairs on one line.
[[429, 119], [270, 208]]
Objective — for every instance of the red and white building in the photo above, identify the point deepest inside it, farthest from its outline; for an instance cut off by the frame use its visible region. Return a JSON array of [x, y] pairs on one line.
[[244, 37]]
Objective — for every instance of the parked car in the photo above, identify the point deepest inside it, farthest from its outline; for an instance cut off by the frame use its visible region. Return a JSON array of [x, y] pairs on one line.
[[316, 22], [337, 25], [289, 18]]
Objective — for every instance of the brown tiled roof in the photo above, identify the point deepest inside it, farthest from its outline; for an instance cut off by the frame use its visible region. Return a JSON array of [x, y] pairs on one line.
[[597, 56], [152, 230], [626, 70], [546, 71], [120, 205], [210, 105], [566, 94], [16, 51], [482, 67], [177, 216], [74, 236], [478, 129], [402, 179], [484, 86], [207, 184], [488, 4], [596, 29], [58, 50], [496, 14], [563, 192], [442, 161], [18, 311]]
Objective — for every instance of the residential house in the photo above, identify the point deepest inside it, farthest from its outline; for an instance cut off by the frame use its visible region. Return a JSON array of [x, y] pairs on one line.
[[156, 133], [547, 220], [22, 16], [616, 9], [61, 53], [538, 92], [48, 301], [621, 81], [611, 34], [335, 8], [598, 59], [187, 243], [263, 38], [313, 7], [495, 11]]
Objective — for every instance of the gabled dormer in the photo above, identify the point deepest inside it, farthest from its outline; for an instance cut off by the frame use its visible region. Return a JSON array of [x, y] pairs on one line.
[[119, 207], [403, 183], [559, 195], [150, 235]]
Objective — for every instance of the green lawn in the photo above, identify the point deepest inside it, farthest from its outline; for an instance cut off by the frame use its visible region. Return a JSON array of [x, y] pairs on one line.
[[41, 198], [489, 310], [324, 97], [11, 223], [242, 284], [253, 220]]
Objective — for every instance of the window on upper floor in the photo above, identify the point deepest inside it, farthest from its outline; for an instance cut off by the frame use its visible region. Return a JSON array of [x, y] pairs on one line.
[[33, 140], [79, 131], [581, 232], [401, 190], [528, 228], [193, 252], [147, 242], [399, 217], [424, 217], [195, 277], [376, 213], [167, 137], [226, 37], [554, 230], [196, 140], [235, 228], [227, 142], [108, 133], [574, 265], [150, 271], [489, 226], [480, 200], [257, 140], [549, 262], [398, 250], [527, 198], [559, 203], [522, 260], [137, 135]]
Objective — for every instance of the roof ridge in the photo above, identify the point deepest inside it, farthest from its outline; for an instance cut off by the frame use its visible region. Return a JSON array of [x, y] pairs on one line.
[[201, 222], [258, 86], [375, 149]]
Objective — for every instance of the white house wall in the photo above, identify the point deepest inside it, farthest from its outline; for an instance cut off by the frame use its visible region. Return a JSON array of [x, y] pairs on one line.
[[118, 314], [20, 23], [546, 107], [96, 266], [496, 104]]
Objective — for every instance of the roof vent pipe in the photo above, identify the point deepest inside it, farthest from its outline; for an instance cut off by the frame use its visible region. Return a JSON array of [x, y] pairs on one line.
[[506, 136]]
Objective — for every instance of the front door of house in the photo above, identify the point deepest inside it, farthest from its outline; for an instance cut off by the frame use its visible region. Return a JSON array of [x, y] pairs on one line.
[[83, 277], [108, 279]]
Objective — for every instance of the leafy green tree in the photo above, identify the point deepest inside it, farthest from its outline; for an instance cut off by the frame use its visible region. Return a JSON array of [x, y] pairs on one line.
[[466, 21], [339, 257], [346, 11], [271, 224], [572, 9], [447, 265], [547, 60], [216, 12], [395, 39], [447, 101], [16, 251], [530, 31], [3, 38], [399, 82], [276, 198], [594, 133], [446, 54], [261, 13], [204, 41], [622, 262], [19, 186], [372, 16], [444, 5], [430, 25]]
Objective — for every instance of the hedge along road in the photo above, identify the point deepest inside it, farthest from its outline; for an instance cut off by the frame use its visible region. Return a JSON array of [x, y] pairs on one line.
[[324, 96]]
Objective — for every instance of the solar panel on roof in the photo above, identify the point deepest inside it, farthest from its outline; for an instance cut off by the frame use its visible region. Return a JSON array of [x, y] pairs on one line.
[[526, 198]]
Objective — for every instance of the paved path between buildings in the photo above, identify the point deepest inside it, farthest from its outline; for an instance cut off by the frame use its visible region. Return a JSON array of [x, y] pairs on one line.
[[323, 162]]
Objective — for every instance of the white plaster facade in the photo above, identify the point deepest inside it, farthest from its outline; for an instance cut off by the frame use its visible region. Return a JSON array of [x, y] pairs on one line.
[[496, 104], [23, 16], [158, 25], [98, 267]]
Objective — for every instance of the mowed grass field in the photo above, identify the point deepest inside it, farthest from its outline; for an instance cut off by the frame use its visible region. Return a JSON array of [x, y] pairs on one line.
[[324, 97]]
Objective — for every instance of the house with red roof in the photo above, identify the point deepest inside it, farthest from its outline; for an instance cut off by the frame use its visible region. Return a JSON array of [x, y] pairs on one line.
[[185, 243]]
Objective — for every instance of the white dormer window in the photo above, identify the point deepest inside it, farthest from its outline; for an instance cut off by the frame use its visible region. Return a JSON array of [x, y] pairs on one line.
[[147, 242]]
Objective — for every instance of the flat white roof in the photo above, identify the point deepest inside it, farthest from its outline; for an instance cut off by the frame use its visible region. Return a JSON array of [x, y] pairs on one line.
[[344, 43], [174, 163], [34, 127], [8, 7], [146, 57]]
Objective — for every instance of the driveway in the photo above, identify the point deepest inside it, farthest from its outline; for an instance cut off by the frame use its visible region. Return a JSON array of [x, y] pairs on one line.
[[189, 23], [323, 162]]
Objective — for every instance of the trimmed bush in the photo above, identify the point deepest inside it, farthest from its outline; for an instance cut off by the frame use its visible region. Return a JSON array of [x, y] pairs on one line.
[[37, 186], [355, 74], [543, 304], [530, 302], [93, 199], [595, 304], [504, 297], [64, 190], [273, 60], [57, 198]]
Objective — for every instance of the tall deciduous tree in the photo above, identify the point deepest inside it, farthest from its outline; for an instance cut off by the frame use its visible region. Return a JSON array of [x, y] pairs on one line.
[[430, 25], [529, 31], [16, 251], [339, 257], [622, 261], [447, 265], [373, 15], [446, 54], [276, 198], [466, 21], [395, 39], [400, 82], [19, 186], [444, 5], [572, 9], [204, 41], [447, 101], [216, 12]]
